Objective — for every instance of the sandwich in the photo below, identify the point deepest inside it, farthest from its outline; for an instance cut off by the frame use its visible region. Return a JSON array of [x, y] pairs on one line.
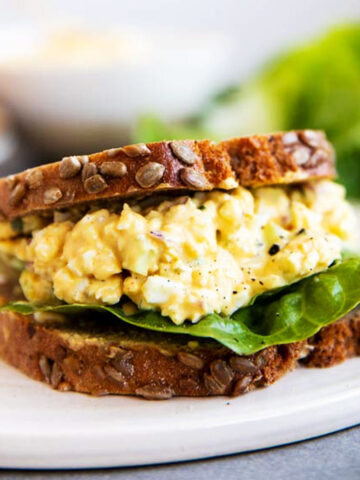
[[179, 268]]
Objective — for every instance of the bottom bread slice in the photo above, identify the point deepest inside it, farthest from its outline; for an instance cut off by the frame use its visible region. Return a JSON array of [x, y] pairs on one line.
[[104, 356]]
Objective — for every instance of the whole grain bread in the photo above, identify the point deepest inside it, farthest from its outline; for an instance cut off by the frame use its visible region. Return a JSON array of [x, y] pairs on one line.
[[104, 357], [141, 170]]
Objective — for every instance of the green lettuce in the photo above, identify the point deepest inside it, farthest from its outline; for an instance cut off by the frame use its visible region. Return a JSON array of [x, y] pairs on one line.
[[150, 128], [288, 315], [316, 85]]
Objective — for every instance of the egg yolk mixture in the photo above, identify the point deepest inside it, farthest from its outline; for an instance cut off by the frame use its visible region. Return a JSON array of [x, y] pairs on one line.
[[189, 256]]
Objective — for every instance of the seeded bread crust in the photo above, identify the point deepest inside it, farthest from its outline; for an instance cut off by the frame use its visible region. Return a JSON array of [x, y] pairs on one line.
[[103, 358], [141, 170]]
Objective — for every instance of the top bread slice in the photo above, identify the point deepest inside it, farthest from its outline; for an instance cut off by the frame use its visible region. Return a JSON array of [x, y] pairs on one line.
[[169, 166]]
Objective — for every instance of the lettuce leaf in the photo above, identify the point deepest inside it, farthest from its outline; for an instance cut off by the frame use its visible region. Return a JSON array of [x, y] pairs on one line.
[[315, 85], [289, 315], [150, 128]]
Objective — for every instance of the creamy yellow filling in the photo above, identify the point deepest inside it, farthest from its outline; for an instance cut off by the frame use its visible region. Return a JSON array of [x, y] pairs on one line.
[[191, 256]]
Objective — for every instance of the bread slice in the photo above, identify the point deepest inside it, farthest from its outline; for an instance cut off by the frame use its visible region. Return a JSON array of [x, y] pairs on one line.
[[178, 166], [104, 357]]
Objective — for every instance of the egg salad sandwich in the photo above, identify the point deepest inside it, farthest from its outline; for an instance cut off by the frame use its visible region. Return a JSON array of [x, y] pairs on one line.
[[179, 268]]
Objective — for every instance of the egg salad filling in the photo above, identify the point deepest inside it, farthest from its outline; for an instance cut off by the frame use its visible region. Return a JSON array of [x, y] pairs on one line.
[[189, 256]]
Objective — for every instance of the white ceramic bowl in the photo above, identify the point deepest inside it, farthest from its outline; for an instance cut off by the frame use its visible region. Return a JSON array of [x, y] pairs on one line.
[[83, 90]]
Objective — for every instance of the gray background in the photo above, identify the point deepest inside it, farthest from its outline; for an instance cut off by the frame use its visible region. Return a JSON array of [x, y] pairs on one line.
[[335, 456]]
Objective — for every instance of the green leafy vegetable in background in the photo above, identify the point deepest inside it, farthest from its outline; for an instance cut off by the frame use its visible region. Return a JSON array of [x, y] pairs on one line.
[[289, 315], [150, 128], [315, 86]]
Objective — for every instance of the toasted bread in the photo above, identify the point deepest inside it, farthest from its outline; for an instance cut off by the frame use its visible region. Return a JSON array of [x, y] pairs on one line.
[[178, 166], [106, 357]]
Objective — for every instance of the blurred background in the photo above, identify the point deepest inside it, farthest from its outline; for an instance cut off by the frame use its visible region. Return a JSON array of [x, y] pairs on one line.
[[77, 77]]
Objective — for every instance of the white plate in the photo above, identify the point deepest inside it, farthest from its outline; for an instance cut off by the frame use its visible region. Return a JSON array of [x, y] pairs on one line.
[[41, 428]]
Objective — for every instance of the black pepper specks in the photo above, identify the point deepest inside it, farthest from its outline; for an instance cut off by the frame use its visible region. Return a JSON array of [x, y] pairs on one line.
[[274, 249]]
